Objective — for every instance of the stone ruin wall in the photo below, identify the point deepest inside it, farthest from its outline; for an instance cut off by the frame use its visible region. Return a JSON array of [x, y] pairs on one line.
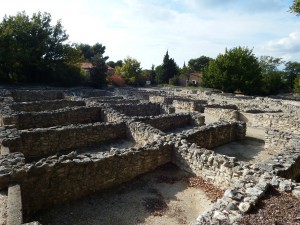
[[190, 105], [59, 179], [59, 117], [278, 121], [148, 109], [110, 168], [279, 139], [216, 134], [45, 141], [222, 114], [172, 121], [32, 96]]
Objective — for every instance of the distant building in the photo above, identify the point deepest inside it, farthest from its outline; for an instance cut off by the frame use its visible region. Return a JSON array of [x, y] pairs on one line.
[[195, 79], [88, 66]]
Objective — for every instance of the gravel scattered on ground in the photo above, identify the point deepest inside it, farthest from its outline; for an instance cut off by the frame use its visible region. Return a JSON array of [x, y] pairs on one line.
[[276, 208], [3, 207]]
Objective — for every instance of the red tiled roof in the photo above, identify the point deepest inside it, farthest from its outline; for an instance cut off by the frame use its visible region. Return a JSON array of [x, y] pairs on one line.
[[86, 65]]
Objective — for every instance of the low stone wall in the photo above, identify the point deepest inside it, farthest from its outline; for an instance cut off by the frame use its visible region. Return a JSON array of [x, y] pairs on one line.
[[190, 105], [222, 114], [162, 99], [148, 109], [216, 134], [45, 105], [61, 117], [59, 179], [220, 170], [143, 133], [89, 93], [36, 95], [46, 141], [278, 121], [113, 101], [172, 121], [279, 139]]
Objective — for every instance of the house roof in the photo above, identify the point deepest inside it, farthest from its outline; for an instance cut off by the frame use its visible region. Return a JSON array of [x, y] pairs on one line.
[[86, 65], [199, 75]]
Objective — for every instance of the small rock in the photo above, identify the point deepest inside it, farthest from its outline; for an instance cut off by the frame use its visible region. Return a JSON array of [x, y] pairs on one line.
[[296, 193], [244, 206], [219, 216]]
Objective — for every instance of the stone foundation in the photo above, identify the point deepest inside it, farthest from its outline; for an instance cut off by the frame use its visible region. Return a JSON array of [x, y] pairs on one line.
[[45, 141], [53, 165], [216, 134]]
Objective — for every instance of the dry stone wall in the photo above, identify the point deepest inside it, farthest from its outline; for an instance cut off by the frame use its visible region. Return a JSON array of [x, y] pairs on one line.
[[36, 95], [61, 117], [190, 105], [272, 121], [45, 105], [222, 114], [216, 134], [59, 179], [45, 141], [148, 109], [168, 122], [66, 175]]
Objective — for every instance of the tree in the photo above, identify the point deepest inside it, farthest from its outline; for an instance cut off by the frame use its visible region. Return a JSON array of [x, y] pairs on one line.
[[89, 51], [98, 71], [292, 70], [236, 70], [297, 85], [295, 8], [272, 78], [185, 72], [115, 64], [131, 71], [198, 65], [34, 51], [168, 70]]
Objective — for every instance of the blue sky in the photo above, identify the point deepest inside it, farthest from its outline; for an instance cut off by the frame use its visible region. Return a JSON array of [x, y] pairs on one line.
[[146, 29]]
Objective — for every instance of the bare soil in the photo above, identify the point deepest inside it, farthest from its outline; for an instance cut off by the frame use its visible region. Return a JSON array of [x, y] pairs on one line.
[[276, 208], [3, 207], [249, 150], [162, 197]]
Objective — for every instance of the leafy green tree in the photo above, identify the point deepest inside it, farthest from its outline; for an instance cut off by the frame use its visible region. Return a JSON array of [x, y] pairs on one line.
[[292, 70], [295, 8], [158, 72], [198, 65], [168, 70], [272, 77], [236, 70], [89, 51], [131, 71], [185, 72], [98, 71], [34, 51], [153, 74], [115, 64], [297, 85]]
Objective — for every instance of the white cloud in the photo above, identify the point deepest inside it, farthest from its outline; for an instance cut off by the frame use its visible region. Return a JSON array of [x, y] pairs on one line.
[[146, 29], [287, 48]]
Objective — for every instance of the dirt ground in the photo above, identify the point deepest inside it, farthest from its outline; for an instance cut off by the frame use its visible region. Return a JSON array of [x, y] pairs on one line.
[[3, 209], [145, 201], [249, 150]]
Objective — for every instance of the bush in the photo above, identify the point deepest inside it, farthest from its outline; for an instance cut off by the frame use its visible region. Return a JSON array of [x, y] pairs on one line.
[[174, 81], [117, 80]]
